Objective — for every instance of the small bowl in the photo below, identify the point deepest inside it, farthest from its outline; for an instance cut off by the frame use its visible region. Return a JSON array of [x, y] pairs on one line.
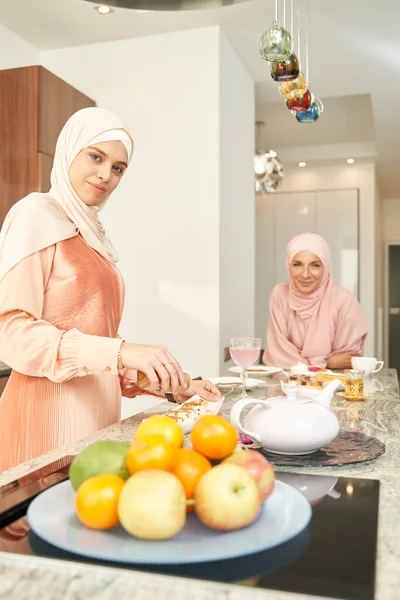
[[290, 388]]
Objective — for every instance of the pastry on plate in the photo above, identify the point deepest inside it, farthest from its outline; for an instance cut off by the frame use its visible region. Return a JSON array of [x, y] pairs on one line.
[[190, 410], [187, 413], [326, 376]]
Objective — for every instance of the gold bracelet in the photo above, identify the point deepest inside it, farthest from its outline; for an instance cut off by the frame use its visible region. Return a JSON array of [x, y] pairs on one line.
[[120, 364]]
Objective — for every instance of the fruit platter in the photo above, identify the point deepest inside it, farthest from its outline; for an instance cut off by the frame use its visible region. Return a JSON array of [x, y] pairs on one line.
[[153, 501]]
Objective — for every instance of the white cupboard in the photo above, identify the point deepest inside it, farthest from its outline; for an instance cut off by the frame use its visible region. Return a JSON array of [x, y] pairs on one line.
[[279, 217]]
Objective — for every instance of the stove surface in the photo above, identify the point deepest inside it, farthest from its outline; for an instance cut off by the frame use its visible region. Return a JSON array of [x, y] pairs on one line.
[[333, 557]]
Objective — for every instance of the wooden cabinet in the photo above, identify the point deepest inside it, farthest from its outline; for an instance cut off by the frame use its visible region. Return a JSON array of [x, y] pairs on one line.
[[34, 105]]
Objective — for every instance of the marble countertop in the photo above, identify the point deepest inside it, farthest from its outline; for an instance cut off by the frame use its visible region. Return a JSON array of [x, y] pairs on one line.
[[30, 576]]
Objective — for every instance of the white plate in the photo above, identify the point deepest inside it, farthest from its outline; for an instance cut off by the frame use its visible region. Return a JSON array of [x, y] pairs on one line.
[[185, 419], [258, 370], [228, 382], [51, 515]]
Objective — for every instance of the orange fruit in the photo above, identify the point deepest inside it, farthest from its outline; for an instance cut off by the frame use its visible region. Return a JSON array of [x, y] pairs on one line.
[[189, 468], [164, 426], [150, 452], [214, 437], [96, 501]]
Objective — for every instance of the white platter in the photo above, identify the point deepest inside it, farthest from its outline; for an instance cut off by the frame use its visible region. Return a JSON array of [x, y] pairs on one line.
[[51, 516]]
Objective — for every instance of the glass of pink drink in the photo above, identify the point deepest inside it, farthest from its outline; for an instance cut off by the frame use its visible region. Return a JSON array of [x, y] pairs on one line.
[[244, 352]]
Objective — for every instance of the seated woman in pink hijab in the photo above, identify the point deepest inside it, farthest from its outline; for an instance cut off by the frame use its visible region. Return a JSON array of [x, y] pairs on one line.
[[312, 320]]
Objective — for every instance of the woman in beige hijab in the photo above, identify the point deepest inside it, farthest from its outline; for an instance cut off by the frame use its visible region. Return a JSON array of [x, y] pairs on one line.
[[61, 302]]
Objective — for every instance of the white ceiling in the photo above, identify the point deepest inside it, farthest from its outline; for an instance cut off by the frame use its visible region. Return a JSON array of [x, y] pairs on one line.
[[354, 48]]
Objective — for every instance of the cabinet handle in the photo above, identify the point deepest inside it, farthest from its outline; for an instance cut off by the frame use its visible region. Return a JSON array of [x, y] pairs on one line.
[[394, 311]]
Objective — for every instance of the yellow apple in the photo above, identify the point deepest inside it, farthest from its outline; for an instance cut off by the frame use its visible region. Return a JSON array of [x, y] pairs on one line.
[[152, 505]]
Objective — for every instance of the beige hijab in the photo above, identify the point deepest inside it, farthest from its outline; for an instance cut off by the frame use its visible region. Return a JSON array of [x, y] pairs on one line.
[[41, 220]]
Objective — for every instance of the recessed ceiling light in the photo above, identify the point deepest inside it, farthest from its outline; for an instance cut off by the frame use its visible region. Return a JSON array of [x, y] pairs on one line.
[[103, 9], [302, 163], [350, 161]]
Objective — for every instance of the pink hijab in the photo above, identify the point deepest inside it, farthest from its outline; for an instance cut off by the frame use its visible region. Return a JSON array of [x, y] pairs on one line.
[[316, 306]]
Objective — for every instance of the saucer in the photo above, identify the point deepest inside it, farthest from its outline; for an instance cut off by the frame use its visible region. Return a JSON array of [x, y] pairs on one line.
[[364, 396]]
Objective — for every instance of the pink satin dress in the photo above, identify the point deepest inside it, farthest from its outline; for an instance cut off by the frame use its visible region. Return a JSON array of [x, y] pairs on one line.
[[60, 310]]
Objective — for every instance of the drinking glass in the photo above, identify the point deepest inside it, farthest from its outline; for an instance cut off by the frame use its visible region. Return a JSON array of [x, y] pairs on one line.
[[244, 352], [354, 385]]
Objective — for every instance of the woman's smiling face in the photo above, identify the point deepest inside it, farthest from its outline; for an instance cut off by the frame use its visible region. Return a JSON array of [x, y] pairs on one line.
[[306, 271], [97, 170]]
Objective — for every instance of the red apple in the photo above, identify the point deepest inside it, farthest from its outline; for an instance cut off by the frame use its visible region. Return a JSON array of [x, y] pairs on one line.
[[259, 468], [227, 498]]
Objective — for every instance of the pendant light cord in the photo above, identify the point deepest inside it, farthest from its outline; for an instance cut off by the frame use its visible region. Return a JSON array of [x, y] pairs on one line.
[[298, 31], [306, 38], [291, 19]]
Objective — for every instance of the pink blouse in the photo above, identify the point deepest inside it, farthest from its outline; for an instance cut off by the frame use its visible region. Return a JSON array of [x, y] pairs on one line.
[[287, 331], [60, 309]]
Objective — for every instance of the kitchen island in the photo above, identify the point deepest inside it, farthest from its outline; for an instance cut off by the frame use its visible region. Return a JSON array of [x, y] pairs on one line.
[[30, 576]]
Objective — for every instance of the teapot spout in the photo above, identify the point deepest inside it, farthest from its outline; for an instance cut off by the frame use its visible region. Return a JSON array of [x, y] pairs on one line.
[[325, 396]]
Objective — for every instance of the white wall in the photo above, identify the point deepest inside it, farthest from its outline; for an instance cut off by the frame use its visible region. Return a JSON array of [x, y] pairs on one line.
[[390, 221], [351, 176], [15, 52], [173, 92], [237, 208]]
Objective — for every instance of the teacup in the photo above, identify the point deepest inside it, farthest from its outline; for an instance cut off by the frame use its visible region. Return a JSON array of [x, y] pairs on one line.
[[367, 364]]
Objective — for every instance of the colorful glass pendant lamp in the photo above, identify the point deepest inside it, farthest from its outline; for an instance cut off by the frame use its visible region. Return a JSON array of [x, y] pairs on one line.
[[276, 44]]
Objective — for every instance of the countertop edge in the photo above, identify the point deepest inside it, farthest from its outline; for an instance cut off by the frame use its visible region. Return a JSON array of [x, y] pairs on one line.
[[23, 576]]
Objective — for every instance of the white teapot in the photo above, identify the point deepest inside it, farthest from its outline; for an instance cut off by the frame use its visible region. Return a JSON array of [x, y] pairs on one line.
[[290, 425]]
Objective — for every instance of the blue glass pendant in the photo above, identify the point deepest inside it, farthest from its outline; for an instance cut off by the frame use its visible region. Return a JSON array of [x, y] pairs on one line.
[[308, 116]]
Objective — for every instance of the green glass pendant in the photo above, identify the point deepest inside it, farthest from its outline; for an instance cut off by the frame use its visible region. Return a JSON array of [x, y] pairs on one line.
[[276, 44]]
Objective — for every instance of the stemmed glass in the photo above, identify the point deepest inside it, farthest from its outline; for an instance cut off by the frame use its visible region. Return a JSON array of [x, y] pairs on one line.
[[244, 352]]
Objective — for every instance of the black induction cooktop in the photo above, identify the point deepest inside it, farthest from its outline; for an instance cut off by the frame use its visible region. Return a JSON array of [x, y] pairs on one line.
[[333, 557]]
